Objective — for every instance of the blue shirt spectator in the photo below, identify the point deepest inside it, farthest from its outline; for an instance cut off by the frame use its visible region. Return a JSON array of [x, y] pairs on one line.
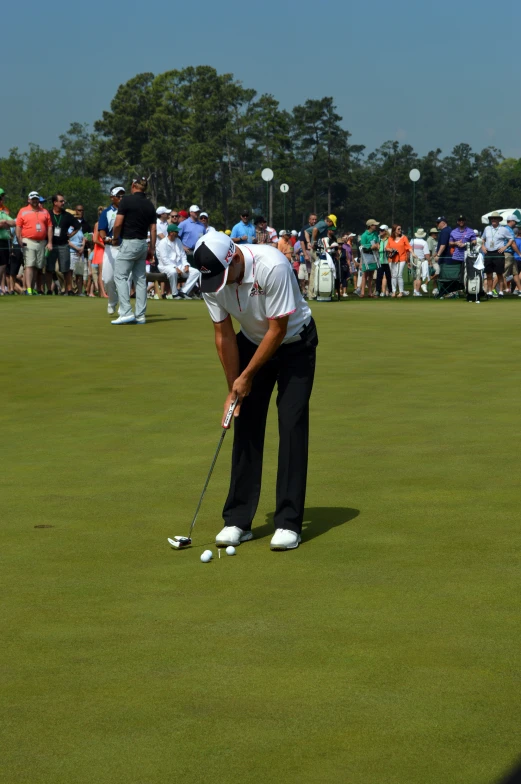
[[244, 231], [189, 232], [461, 234], [517, 246]]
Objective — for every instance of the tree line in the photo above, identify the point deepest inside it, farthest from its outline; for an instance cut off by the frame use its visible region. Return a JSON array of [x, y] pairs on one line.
[[202, 137]]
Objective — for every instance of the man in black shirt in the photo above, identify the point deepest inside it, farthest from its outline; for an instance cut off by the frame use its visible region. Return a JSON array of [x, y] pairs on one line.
[[135, 219], [61, 221]]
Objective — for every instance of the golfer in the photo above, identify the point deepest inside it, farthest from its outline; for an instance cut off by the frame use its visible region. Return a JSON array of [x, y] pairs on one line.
[[276, 345]]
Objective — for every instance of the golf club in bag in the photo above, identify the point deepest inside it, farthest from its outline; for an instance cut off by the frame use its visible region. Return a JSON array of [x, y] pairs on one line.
[[180, 542]]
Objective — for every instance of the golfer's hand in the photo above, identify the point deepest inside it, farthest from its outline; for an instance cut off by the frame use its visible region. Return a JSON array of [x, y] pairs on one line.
[[502, 250], [227, 403]]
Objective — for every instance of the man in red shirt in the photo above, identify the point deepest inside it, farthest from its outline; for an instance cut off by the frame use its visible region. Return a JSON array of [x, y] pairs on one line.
[[34, 233]]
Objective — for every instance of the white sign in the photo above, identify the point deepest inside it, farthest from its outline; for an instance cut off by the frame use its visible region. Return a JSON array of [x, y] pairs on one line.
[[414, 175], [267, 175], [284, 187]]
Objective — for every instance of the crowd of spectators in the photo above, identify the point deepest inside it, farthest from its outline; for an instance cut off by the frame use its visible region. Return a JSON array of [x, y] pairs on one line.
[[53, 250]]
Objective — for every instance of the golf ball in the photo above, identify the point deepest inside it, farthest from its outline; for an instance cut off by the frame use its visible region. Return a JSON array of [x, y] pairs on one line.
[[230, 550], [206, 556]]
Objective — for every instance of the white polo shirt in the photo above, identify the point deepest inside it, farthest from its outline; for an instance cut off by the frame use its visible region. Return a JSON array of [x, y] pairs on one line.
[[419, 248], [268, 290]]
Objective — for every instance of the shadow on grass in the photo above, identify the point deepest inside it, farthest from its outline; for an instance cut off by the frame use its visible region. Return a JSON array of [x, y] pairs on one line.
[[318, 520], [151, 319]]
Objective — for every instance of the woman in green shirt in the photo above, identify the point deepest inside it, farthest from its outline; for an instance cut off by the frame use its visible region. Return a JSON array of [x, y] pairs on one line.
[[369, 246], [383, 276]]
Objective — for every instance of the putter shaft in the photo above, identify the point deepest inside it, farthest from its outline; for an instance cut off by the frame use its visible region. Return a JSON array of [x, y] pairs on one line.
[[219, 445]]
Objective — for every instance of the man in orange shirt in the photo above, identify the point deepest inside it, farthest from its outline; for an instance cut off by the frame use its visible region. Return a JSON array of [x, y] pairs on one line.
[[34, 233]]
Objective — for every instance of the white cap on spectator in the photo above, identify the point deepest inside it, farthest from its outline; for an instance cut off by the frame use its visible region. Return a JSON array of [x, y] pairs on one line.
[[117, 189], [194, 208], [34, 195], [334, 245], [282, 232], [162, 210], [383, 227], [512, 217], [294, 232], [203, 215]]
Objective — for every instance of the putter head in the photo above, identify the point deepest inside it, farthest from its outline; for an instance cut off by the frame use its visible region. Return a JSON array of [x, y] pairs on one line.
[[180, 542]]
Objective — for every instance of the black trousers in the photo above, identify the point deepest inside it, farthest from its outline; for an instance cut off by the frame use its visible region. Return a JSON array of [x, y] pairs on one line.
[[292, 368], [384, 269]]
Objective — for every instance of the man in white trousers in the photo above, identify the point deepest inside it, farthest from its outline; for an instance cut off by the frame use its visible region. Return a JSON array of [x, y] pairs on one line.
[[105, 227], [172, 261], [136, 218]]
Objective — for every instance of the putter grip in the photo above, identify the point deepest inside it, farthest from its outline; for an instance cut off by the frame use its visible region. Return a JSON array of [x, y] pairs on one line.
[[230, 412]]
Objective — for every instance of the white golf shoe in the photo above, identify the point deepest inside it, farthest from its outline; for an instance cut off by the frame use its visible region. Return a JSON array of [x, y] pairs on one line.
[[111, 309], [231, 535], [285, 540], [124, 320]]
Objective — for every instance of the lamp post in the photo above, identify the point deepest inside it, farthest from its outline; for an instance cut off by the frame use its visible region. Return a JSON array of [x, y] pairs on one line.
[[414, 176], [284, 189], [267, 176]]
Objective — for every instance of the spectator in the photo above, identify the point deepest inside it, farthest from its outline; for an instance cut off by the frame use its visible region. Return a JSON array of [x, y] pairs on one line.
[[6, 223], [294, 237], [285, 245], [432, 242], [79, 213], [244, 231], [443, 248], [383, 275], [174, 217], [204, 218], [262, 236], [496, 239], [420, 261], [64, 226], [77, 247], [162, 223], [306, 237], [370, 247], [190, 230], [34, 232], [135, 219], [96, 261], [459, 237], [517, 255], [511, 266], [106, 223], [398, 251], [171, 257]]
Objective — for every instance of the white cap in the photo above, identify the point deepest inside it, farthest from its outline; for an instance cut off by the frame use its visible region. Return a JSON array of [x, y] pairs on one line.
[[282, 232], [34, 195], [334, 245], [117, 189], [162, 210], [354, 235], [383, 227], [194, 208], [294, 232], [203, 215], [512, 217], [213, 254]]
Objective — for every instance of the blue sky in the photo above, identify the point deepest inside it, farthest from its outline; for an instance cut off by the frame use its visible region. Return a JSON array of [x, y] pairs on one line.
[[425, 74]]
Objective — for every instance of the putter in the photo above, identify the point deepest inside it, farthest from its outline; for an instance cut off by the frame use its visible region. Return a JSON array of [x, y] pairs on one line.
[[180, 542]]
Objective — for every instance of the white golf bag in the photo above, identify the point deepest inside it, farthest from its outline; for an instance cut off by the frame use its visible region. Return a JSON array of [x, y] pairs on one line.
[[473, 274], [324, 278]]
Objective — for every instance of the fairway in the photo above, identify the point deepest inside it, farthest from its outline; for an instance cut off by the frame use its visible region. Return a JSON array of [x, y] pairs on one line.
[[385, 649]]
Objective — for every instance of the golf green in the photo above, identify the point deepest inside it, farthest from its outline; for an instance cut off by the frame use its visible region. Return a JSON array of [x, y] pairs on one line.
[[384, 649]]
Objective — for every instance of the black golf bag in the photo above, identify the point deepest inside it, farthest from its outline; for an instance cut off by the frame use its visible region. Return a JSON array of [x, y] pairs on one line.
[[472, 278]]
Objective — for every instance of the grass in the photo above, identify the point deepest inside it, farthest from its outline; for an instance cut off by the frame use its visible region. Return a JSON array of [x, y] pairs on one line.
[[386, 649]]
